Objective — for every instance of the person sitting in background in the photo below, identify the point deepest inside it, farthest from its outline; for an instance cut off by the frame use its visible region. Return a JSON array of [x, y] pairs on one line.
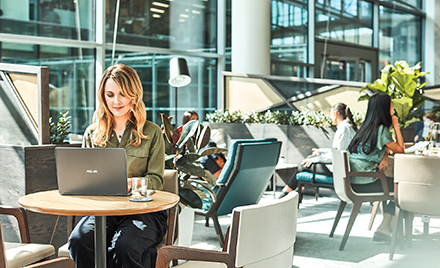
[[187, 116], [424, 127], [321, 158], [369, 152]]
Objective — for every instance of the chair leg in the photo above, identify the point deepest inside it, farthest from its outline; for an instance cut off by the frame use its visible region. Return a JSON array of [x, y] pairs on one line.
[[354, 211], [207, 221], [316, 193], [341, 208], [218, 229], [409, 228], [300, 194], [397, 231], [373, 214]]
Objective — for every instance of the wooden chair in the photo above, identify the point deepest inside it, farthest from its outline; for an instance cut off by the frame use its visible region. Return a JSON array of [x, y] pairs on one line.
[[342, 182], [170, 185], [244, 178], [261, 235], [21, 254], [416, 190]]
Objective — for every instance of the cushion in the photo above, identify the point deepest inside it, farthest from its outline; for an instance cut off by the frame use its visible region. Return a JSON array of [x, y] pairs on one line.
[[21, 254], [305, 176]]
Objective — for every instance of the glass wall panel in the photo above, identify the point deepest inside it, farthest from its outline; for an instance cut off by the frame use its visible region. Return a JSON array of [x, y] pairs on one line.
[[289, 21], [177, 24], [50, 18], [159, 97], [345, 20], [71, 78], [400, 36], [415, 3]]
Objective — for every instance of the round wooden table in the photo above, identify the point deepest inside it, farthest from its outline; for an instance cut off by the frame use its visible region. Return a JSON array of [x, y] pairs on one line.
[[52, 202]]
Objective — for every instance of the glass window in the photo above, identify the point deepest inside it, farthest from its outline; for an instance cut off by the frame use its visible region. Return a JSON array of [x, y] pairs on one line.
[[159, 97], [178, 24], [49, 18], [289, 21], [400, 36], [347, 21], [415, 3], [71, 78]]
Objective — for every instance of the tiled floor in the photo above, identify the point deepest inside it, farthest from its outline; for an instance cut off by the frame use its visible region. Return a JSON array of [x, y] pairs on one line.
[[314, 248]]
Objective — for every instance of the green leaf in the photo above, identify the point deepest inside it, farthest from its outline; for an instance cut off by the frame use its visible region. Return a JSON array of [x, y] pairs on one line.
[[190, 145], [188, 158], [403, 106], [191, 169], [404, 83], [204, 137], [213, 150], [188, 131], [168, 128], [169, 157], [189, 198]]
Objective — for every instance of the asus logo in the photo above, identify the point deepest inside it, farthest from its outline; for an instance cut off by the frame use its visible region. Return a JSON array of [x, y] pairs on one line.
[[90, 171]]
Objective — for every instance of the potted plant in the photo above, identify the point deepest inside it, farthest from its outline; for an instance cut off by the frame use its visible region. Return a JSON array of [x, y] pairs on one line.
[[402, 83], [60, 130], [184, 155]]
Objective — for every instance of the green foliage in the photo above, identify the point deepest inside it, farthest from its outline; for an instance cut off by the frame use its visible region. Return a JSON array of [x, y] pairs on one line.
[[402, 84], [59, 130], [304, 117], [192, 177]]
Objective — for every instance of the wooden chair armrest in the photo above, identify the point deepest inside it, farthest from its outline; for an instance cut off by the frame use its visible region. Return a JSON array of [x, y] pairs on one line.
[[168, 253], [54, 263], [21, 216]]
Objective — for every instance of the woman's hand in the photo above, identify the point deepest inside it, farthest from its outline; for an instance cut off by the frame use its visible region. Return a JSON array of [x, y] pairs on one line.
[[383, 165], [307, 162], [395, 121]]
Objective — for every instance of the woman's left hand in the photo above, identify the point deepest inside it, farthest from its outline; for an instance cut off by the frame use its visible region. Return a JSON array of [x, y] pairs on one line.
[[383, 165]]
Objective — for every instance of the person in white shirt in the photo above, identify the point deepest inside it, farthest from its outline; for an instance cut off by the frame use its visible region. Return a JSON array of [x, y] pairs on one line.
[[321, 158]]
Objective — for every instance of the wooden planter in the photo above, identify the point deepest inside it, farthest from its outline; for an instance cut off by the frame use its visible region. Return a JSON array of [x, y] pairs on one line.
[[25, 170], [298, 141]]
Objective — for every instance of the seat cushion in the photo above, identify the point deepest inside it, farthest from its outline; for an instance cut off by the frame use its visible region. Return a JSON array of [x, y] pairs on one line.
[[21, 254], [319, 178], [202, 264]]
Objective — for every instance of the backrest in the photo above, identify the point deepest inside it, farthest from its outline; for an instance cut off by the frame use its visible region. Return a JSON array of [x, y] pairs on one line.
[[340, 168], [263, 235], [170, 184], [232, 152], [170, 181], [253, 167], [418, 183]]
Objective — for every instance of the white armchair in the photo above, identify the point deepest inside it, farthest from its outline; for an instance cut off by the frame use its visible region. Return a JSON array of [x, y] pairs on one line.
[[259, 236]]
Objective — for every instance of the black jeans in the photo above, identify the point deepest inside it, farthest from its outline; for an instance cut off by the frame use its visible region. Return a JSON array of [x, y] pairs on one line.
[[376, 186], [131, 240]]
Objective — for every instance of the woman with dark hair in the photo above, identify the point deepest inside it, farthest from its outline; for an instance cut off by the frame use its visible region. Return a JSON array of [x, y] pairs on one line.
[[369, 150], [321, 158]]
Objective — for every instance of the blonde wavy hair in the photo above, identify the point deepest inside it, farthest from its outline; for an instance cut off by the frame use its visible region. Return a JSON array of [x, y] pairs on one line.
[[130, 85]]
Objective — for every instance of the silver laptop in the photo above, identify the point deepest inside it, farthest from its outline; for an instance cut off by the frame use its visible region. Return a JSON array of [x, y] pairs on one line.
[[91, 171]]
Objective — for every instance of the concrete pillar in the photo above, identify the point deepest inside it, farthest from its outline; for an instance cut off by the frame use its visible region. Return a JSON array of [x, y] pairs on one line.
[[251, 36]]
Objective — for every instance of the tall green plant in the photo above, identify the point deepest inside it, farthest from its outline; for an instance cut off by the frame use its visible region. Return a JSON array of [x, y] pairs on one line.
[[402, 84], [184, 155], [60, 129]]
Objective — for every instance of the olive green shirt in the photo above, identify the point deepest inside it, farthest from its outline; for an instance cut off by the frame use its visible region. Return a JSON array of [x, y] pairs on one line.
[[362, 162], [145, 160]]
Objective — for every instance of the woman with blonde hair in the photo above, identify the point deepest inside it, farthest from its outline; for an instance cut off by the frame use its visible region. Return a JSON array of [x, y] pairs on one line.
[[120, 122]]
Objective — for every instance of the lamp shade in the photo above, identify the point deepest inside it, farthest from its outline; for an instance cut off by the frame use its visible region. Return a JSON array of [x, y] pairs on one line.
[[179, 75]]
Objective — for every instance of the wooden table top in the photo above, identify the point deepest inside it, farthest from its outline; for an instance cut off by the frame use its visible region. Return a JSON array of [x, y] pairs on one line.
[[52, 202]]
